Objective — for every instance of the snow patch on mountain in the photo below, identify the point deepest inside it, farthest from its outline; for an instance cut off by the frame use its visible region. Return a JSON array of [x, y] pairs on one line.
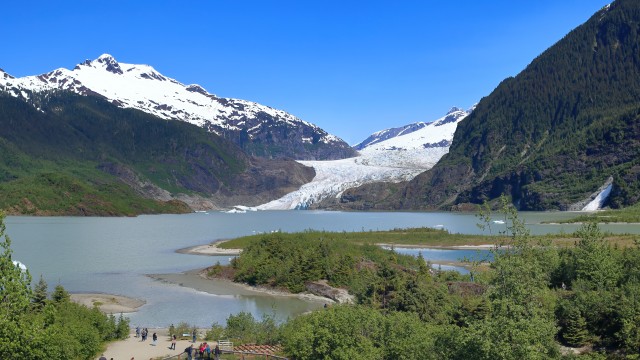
[[383, 159], [142, 87]]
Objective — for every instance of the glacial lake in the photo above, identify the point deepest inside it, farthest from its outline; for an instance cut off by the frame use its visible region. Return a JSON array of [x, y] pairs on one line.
[[115, 255]]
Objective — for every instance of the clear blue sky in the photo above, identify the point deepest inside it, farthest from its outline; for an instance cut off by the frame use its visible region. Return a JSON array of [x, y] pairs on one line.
[[351, 67]]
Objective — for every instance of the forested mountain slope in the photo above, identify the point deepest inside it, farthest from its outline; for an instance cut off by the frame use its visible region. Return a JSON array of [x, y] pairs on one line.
[[552, 135], [64, 153], [258, 129]]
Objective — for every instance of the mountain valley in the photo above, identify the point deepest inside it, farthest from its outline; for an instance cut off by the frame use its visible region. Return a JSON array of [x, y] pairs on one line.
[[547, 138], [554, 137]]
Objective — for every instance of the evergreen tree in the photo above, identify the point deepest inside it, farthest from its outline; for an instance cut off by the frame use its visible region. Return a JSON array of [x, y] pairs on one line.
[[521, 324], [15, 290], [15, 297], [122, 329], [597, 265], [60, 295], [39, 298], [575, 331]]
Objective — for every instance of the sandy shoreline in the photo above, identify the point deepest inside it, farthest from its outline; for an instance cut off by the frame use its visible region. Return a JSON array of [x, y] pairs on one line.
[[195, 279], [211, 249], [108, 303], [442, 247]]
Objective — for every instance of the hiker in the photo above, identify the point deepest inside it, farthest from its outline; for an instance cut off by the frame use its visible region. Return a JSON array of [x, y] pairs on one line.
[[217, 352], [189, 350], [201, 350], [155, 339], [207, 349], [194, 336], [137, 332], [173, 342]]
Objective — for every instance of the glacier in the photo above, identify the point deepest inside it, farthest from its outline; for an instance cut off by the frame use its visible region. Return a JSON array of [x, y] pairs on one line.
[[395, 159]]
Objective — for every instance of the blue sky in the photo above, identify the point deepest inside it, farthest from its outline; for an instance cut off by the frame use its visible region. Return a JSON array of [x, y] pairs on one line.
[[351, 67]]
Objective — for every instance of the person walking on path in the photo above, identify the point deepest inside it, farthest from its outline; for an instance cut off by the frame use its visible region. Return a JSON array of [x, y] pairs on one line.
[[189, 351], [217, 352], [137, 332], [194, 336], [173, 342], [155, 339]]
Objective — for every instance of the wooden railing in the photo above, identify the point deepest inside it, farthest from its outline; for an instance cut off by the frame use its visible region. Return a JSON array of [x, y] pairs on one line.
[[252, 355], [243, 355]]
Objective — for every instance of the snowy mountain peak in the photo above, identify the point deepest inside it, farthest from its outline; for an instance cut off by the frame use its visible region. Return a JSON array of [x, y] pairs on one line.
[[453, 115], [382, 139], [197, 89], [106, 58], [108, 63], [454, 110], [142, 87], [4, 75]]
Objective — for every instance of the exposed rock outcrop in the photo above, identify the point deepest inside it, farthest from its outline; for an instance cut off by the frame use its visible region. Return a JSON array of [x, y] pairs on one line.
[[322, 288]]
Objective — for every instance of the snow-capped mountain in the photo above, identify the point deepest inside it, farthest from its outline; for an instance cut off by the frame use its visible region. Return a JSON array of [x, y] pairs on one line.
[[386, 134], [385, 158], [259, 129], [417, 149], [453, 115]]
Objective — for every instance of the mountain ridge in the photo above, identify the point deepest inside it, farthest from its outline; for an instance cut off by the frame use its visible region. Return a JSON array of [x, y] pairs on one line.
[[258, 129], [550, 136], [392, 159], [82, 155]]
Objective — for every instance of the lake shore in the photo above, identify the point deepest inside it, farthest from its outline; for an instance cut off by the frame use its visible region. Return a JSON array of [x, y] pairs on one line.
[[197, 280], [441, 247], [211, 249], [108, 303]]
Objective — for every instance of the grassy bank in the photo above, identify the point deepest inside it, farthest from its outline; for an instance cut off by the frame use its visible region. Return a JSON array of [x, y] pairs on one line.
[[427, 237]]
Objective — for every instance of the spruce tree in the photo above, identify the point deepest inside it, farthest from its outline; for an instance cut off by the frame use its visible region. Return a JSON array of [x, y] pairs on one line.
[[15, 297], [575, 331], [60, 294], [39, 297]]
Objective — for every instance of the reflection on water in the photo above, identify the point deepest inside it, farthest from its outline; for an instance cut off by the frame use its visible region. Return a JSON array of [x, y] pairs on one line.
[[440, 257]]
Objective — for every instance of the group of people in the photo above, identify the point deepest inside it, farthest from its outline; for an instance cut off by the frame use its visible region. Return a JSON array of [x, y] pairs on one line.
[[142, 333], [201, 351]]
